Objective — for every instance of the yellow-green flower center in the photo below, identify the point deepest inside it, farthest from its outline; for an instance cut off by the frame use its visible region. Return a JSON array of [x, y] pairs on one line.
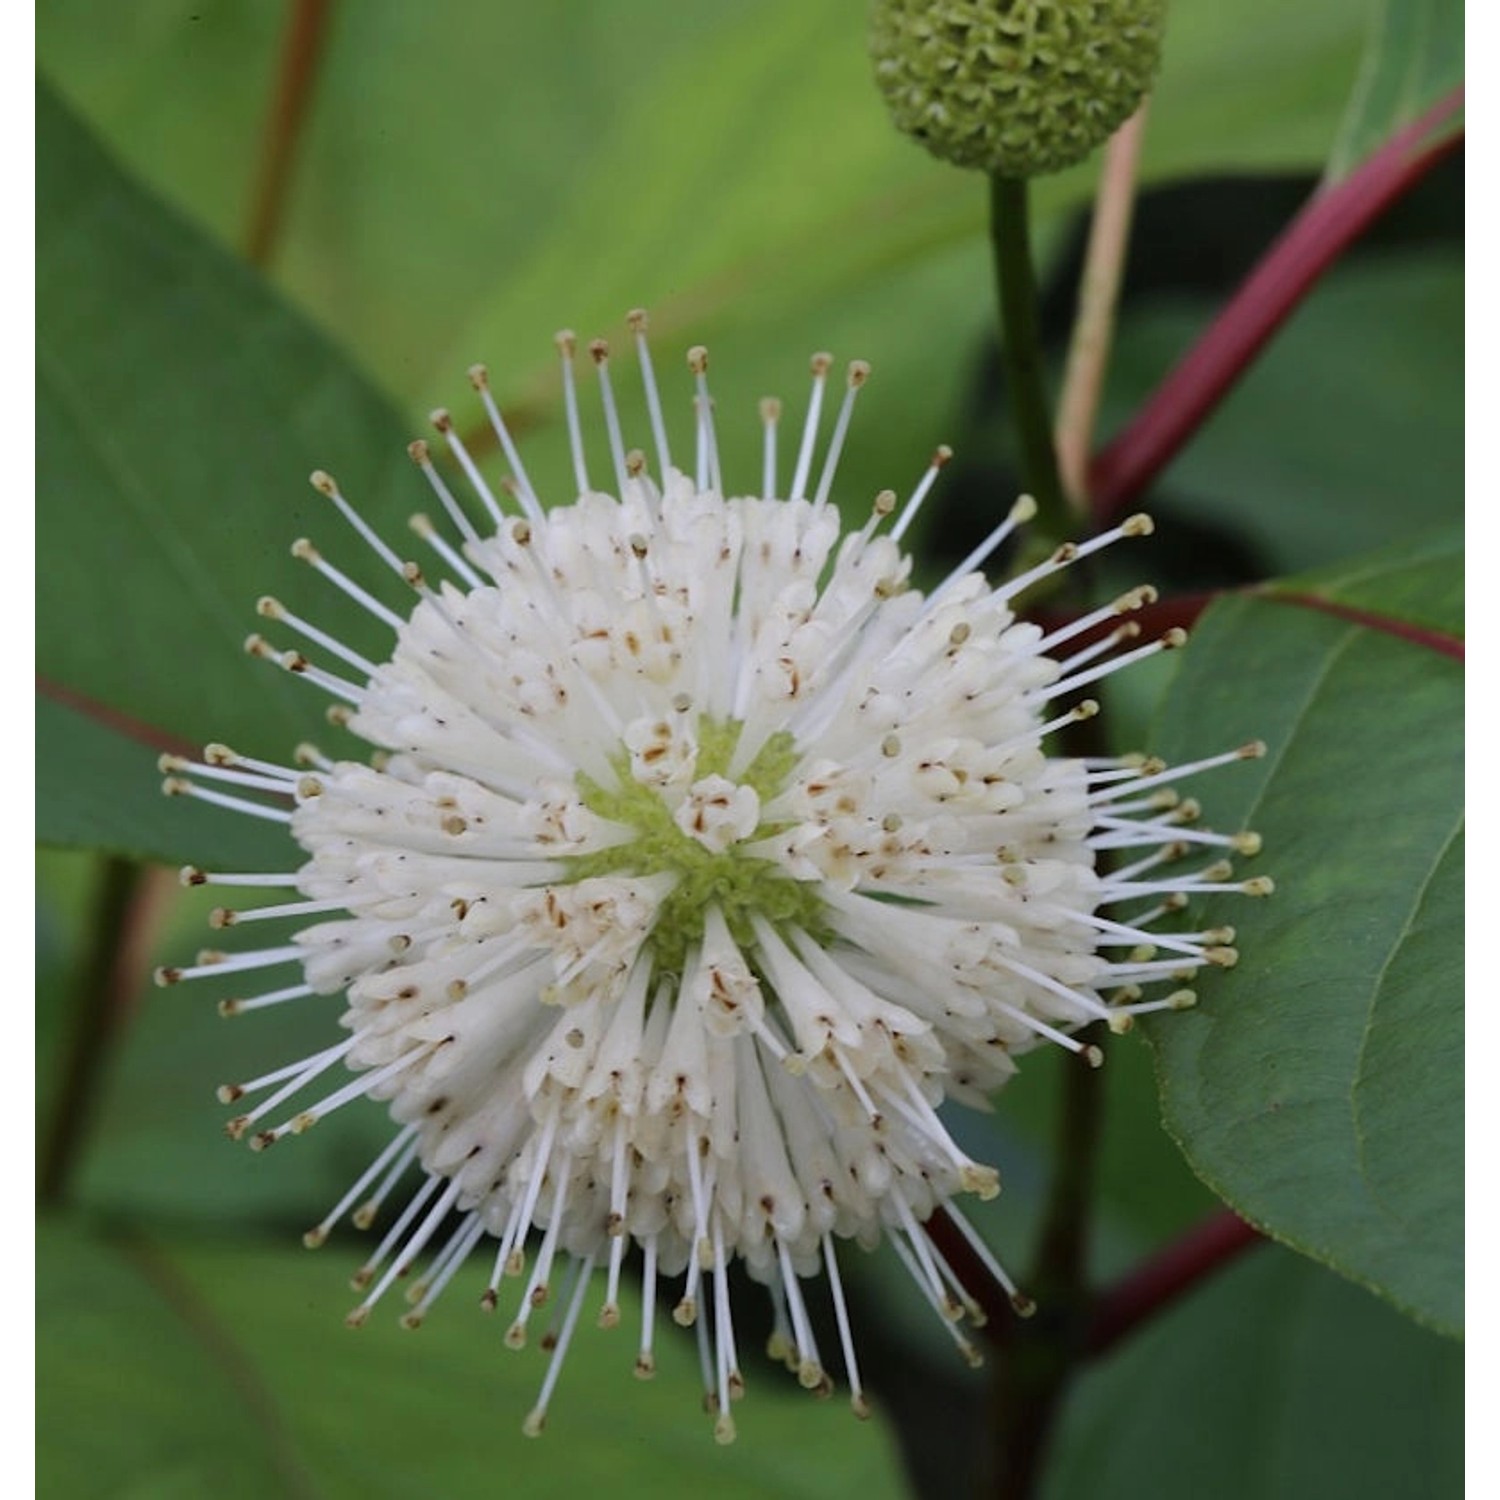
[[741, 885]]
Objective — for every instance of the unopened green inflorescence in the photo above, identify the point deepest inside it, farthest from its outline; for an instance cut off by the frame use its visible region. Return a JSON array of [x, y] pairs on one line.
[[1016, 88]]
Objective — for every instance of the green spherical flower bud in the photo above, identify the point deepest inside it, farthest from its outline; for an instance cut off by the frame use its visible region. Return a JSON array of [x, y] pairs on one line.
[[1014, 87]]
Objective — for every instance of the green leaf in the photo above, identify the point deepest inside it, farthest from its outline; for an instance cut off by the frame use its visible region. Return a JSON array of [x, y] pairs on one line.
[[96, 789], [135, 1395], [1318, 1086], [180, 407], [205, 1369], [1414, 55], [1418, 583], [730, 167], [1272, 1382]]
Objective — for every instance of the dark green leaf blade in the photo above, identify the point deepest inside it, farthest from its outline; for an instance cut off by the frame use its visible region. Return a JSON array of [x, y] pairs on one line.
[[1273, 1382], [96, 789], [210, 1369], [1317, 1086], [180, 408]]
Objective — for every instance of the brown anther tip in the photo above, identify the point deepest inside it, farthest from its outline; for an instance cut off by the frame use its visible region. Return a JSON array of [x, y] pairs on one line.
[[1086, 710], [339, 715], [229, 1008], [599, 351], [357, 1317], [820, 363], [315, 1239], [211, 955], [1022, 1305], [236, 1127], [859, 372], [191, 875], [418, 451], [1138, 525], [308, 787], [697, 359], [169, 763], [860, 1407], [770, 409], [221, 916], [295, 661], [941, 455], [645, 1367], [263, 1140], [268, 607], [307, 754], [175, 786], [323, 482], [442, 419], [1261, 885], [636, 320], [520, 533], [1065, 553], [566, 341], [413, 575], [258, 645], [1255, 750], [479, 376], [635, 463], [166, 975], [411, 1321], [1093, 1056], [361, 1278]]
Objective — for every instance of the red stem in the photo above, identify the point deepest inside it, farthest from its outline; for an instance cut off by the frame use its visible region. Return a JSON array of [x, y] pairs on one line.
[[1166, 1276], [1325, 227], [297, 71]]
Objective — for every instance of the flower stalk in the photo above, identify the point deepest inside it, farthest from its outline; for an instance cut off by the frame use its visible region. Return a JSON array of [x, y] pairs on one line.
[[119, 924], [1021, 350]]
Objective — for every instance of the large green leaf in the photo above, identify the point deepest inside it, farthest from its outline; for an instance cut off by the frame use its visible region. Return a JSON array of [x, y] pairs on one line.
[[98, 789], [180, 407], [473, 177], [189, 1370], [1318, 1087], [1273, 1382], [1413, 57]]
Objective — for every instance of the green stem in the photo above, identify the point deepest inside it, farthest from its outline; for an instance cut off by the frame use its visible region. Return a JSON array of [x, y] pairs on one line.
[[94, 1017], [1021, 348], [1039, 1362]]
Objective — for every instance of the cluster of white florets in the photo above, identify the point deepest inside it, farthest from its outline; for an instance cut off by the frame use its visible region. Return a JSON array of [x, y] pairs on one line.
[[703, 858]]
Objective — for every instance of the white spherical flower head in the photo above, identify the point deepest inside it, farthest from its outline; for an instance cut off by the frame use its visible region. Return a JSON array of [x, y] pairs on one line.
[[702, 859]]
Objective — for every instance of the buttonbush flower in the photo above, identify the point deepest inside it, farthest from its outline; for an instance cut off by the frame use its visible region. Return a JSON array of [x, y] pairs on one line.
[[699, 860]]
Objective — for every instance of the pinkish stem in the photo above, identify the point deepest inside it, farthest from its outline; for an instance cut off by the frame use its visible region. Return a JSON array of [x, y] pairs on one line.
[[1329, 223]]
